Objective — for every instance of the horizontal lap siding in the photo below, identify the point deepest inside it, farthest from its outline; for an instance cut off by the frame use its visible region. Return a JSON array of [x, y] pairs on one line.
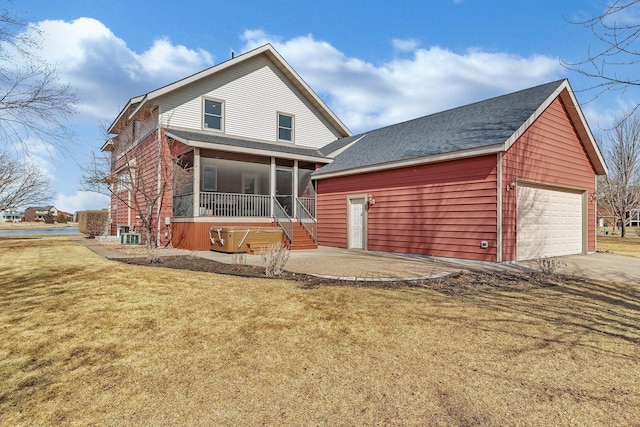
[[145, 156], [443, 209], [549, 152]]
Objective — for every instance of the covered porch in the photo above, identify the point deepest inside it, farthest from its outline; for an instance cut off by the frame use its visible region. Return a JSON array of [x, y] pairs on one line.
[[215, 188]]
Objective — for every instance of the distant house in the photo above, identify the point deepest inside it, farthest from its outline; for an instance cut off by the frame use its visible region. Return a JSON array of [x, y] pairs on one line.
[[67, 216], [11, 215], [510, 178], [38, 213]]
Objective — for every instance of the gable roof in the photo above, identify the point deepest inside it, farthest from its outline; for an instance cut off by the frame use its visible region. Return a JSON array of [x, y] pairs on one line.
[[136, 103], [484, 127]]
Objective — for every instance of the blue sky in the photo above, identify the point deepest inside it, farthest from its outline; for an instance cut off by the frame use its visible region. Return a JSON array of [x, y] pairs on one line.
[[374, 63]]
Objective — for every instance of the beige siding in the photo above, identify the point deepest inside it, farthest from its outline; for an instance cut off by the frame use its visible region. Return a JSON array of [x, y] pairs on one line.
[[254, 92]]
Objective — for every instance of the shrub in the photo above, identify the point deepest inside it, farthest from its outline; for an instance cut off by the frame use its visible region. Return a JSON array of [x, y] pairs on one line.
[[275, 259], [48, 219], [61, 219], [92, 222], [550, 265]]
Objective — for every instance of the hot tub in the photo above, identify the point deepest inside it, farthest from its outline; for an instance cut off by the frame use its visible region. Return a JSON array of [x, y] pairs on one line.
[[239, 239]]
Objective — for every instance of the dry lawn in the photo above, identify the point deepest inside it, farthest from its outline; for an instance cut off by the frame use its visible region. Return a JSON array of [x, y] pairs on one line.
[[628, 246], [87, 341]]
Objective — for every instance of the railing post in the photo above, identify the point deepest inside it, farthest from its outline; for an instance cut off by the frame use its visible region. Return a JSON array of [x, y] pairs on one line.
[[196, 181]]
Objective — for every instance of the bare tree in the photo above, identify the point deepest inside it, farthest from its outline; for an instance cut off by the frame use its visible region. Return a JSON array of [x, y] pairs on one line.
[[620, 189], [21, 183], [33, 104], [614, 58], [137, 173]]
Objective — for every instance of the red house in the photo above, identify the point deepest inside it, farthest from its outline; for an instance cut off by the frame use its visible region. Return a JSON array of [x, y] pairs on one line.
[[506, 179], [248, 142]]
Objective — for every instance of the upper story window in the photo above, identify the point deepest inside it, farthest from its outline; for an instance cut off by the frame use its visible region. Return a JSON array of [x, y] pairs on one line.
[[213, 114], [285, 127]]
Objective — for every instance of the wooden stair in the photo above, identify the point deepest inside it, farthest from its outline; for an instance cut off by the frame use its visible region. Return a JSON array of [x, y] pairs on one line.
[[257, 248], [301, 238]]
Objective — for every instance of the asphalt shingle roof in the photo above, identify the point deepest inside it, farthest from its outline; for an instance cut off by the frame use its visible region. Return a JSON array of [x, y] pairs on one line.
[[483, 123], [222, 140]]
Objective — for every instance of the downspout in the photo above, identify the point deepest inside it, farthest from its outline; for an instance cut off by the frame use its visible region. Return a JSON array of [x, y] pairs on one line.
[[160, 190], [294, 196], [272, 189], [196, 182]]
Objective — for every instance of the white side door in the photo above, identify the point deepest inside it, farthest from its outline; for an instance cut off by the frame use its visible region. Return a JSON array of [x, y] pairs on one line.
[[357, 223]]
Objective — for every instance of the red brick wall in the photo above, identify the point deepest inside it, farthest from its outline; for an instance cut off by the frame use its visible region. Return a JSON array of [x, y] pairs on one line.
[[145, 155]]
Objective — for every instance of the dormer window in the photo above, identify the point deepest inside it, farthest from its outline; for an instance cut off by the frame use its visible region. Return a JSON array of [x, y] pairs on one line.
[[285, 127], [213, 114]]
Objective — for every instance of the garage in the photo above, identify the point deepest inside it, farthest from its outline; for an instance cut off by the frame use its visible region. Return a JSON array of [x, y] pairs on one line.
[[549, 222]]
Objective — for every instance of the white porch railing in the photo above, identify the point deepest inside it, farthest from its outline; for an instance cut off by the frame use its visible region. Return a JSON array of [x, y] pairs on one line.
[[236, 205], [309, 204], [307, 220], [283, 219]]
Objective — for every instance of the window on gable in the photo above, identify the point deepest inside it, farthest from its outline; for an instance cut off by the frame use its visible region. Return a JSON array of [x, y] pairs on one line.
[[213, 111], [285, 127]]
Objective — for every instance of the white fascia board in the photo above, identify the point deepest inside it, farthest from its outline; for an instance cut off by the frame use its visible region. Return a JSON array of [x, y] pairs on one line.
[[592, 147], [126, 108], [527, 123], [108, 145], [454, 155], [140, 105], [307, 91]]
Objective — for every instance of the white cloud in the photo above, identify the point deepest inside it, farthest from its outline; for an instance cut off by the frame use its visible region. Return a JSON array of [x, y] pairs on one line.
[[366, 95], [105, 71], [81, 201], [405, 45]]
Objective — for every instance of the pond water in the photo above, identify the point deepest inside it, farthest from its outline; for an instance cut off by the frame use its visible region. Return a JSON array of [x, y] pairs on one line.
[[53, 230]]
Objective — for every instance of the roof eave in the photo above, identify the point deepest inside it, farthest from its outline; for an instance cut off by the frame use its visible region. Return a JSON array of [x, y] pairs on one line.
[[274, 56], [247, 150], [453, 155], [568, 98]]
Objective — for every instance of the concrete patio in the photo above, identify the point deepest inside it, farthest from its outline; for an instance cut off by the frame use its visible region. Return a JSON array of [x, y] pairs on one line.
[[369, 265]]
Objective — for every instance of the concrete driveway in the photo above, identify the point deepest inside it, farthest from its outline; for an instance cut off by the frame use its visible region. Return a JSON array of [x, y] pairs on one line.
[[598, 266]]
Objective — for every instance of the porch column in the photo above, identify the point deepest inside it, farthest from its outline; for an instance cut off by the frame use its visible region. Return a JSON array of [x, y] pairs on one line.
[[196, 181], [272, 182], [294, 196]]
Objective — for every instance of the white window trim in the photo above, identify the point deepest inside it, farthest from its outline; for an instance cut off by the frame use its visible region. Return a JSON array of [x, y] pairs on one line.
[[222, 119], [293, 127]]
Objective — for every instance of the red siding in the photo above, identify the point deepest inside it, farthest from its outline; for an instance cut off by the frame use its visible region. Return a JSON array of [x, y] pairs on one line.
[[443, 209], [549, 152]]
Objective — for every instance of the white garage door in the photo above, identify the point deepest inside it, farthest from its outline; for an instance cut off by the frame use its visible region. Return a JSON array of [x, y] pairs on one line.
[[549, 223]]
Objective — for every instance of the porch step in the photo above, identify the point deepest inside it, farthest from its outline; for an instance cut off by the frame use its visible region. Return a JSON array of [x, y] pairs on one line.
[[257, 248], [301, 238]]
